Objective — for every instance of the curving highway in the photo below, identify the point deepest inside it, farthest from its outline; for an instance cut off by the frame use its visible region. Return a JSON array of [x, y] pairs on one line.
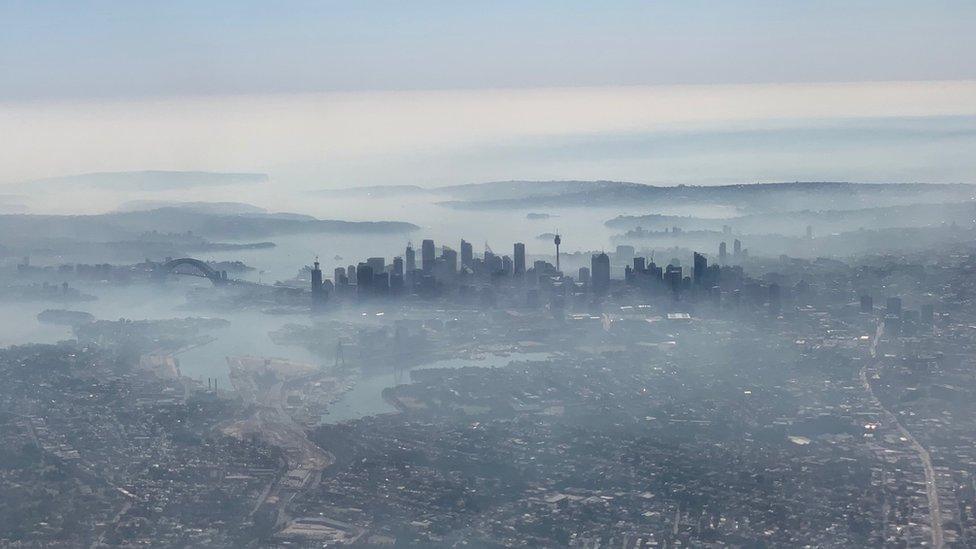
[[931, 488]]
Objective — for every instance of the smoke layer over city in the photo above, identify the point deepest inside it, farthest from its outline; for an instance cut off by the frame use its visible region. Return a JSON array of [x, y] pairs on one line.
[[549, 275]]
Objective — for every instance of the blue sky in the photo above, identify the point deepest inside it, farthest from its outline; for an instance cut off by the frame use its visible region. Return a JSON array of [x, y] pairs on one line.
[[133, 49]]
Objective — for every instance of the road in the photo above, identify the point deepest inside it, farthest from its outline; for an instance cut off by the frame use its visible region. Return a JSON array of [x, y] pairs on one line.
[[931, 487], [276, 427]]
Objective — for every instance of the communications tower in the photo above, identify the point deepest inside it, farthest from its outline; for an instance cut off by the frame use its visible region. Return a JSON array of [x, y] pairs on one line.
[[557, 241]]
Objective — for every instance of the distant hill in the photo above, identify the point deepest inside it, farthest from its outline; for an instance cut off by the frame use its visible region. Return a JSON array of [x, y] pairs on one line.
[[219, 208], [748, 197], [248, 225], [500, 190], [795, 222], [476, 191], [145, 180], [128, 225], [370, 191]]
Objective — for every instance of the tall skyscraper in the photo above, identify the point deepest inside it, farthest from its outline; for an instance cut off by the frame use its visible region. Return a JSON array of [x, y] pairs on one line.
[[411, 257], [397, 276], [722, 254], [381, 282], [639, 264], [519, 259], [736, 248], [427, 255], [672, 277], [378, 264], [700, 269], [467, 254], [623, 254], [655, 272], [450, 258], [493, 263], [600, 273], [318, 292], [364, 279], [584, 275]]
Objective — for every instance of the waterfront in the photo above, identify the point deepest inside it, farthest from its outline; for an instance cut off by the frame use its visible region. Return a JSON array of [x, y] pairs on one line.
[[366, 396]]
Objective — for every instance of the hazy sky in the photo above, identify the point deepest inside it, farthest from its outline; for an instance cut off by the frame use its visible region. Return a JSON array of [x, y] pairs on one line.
[[351, 93], [121, 49]]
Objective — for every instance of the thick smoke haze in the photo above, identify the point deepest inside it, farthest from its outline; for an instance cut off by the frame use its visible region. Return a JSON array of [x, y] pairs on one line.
[[639, 275], [878, 132]]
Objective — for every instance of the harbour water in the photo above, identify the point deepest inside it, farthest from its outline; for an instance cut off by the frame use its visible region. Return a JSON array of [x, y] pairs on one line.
[[366, 396]]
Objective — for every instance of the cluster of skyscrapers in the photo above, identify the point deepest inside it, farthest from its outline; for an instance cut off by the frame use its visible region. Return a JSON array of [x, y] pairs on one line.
[[374, 277], [442, 269]]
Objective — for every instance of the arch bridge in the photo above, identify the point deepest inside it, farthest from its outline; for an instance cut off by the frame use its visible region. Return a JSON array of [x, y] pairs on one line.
[[217, 277]]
